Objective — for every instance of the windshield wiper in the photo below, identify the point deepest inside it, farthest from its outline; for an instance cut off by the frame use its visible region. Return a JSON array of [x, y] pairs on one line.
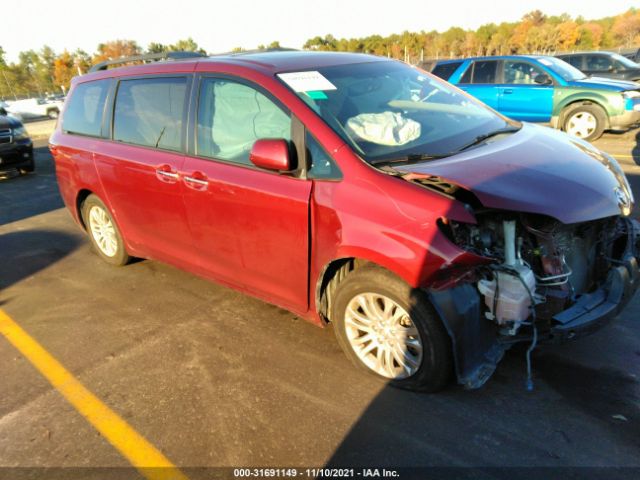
[[481, 138], [411, 158]]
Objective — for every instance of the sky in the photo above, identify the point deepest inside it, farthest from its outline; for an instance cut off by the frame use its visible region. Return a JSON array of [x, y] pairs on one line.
[[219, 26]]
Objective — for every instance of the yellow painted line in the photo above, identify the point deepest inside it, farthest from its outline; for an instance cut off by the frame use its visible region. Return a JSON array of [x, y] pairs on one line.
[[151, 463]]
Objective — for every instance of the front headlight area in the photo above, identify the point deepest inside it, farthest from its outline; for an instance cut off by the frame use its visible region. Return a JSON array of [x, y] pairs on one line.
[[20, 133], [631, 100]]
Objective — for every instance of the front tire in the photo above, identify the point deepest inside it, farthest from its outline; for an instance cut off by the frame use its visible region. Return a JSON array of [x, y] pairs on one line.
[[53, 113], [391, 330], [585, 121], [29, 168], [103, 232]]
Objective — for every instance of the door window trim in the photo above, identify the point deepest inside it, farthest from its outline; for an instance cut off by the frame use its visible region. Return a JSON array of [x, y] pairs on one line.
[[297, 128]]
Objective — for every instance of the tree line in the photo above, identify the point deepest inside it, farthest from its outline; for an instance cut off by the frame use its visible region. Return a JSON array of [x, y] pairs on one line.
[[37, 73]]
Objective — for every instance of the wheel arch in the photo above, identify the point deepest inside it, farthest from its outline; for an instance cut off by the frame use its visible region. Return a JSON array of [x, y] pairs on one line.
[[336, 270], [80, 198], [565, 107]]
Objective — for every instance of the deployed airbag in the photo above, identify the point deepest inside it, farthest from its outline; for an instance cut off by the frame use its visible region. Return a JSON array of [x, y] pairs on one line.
[[386, 128]]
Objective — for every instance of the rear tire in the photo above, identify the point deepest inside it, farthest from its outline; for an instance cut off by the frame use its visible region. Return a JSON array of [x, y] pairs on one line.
[[103, 232], [584, 121], [390, 330]]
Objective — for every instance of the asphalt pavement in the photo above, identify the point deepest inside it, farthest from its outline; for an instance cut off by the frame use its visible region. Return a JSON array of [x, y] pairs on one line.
[[214, 378]]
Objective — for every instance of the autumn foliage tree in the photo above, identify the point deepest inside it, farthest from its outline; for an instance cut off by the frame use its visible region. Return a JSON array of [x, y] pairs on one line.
[[44, 71]]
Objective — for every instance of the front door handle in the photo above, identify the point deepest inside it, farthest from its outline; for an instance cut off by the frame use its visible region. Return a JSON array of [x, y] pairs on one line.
[[196, 180], [165, 173], [507, 91]]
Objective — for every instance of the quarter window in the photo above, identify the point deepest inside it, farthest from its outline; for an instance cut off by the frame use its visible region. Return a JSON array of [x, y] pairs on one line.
[[149, 112], [321, 165], [232, 116], [445, 70], [83, 113]]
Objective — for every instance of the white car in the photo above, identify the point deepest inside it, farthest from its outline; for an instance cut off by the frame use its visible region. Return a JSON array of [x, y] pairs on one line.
[[34, 107]]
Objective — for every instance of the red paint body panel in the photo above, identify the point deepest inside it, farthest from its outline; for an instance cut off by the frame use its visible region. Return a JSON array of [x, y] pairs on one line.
[[250, 229], [272, 235]]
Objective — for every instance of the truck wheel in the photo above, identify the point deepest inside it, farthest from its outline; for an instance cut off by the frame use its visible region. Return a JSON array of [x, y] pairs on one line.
[[585, 121], [103, 232], [391, 330], [53, 113]]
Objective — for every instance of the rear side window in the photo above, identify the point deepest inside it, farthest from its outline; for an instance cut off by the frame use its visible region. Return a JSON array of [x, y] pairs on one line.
[[232, 116], [445, 70], [149, 112], [84, 110], [481, 72]]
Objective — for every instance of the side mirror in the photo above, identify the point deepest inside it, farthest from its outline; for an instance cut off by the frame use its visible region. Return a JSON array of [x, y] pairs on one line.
[[271, 154], [543, 79], [3, 111]]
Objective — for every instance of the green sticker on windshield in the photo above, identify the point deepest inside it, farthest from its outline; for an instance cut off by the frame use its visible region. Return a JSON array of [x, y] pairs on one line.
[[317, 95]]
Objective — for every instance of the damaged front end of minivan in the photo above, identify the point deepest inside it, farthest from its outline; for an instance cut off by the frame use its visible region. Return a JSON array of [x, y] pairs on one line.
[[542, 279]]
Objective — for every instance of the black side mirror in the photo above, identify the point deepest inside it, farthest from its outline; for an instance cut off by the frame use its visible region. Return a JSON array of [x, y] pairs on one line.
[[543, 79], [3, 111]]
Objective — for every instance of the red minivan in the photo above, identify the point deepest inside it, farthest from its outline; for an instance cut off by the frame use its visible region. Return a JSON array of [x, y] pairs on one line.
[[430, 231]]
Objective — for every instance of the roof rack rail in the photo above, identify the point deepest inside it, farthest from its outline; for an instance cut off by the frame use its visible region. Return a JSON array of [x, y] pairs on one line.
[[256, 50], [148, 56]]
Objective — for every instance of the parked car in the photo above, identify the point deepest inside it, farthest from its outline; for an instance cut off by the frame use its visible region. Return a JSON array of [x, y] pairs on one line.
[[546, 89], [35, 107], [429, 230], [631, 53], [603, 64], [16, 148]]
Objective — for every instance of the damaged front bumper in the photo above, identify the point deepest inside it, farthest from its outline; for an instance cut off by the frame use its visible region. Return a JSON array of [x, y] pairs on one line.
[[478, 345]]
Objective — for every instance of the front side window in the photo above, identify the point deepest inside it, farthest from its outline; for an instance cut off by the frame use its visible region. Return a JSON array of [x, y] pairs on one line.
[[598, 63], [149, 112], [84, 110], [520, 73], [232, 116], [387, 110]]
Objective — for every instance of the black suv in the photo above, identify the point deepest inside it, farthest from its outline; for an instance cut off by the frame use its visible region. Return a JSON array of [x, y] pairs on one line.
[[16, 148], [603, 64]]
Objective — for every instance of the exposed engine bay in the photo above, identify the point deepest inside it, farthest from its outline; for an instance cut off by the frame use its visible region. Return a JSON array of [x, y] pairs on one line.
[[539, 262], [542, 280]]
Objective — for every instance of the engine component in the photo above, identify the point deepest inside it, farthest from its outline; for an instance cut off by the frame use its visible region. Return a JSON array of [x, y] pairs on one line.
[[509, 294]]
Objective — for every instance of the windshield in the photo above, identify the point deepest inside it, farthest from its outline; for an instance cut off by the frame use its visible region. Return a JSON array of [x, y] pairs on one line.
[[625, 61], [387, 109], [562, 68]]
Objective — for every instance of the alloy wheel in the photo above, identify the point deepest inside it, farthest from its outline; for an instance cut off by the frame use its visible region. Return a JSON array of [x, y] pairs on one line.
[[103, 231], [383, 336]]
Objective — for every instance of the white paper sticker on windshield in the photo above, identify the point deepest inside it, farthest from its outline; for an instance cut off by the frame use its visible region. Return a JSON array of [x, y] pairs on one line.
[[307, 81]]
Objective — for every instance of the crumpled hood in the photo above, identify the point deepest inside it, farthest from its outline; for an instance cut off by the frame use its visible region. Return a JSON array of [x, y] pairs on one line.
[[607, 83], [537, 170]]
